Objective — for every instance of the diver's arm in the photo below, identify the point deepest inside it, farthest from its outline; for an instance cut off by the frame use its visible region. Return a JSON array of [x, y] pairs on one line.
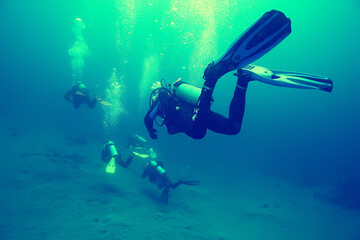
[[91, 103], [149, 119], [146, 172]]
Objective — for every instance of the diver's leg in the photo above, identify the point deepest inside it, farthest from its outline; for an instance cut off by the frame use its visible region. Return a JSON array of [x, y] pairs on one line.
[[91, 103], [189, 124], [237, 105], [256, 41], [203, 105], [205, 97], [128, 161], [232, 125], [199, 122], [186, 182], [267, 32], [165, 195], [220, 124], [175, 185], [123, 163]]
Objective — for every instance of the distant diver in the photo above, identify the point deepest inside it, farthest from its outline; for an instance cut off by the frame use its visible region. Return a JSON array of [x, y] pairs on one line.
[[157, 175], [110, 156], [79, 94], [139, 147], [185, 108], [135, 140]]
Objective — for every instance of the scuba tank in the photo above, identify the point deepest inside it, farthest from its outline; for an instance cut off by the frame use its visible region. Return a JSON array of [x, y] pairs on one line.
[[186, 92], [141, 139], [108, 155], [158, 168], [80, 87], [109, 151]]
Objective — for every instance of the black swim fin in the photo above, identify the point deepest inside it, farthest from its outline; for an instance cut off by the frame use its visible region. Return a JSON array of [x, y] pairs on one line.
[[190, 182], [256, 41]]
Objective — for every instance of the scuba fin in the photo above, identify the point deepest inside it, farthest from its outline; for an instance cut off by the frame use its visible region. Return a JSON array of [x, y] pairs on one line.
[[104, 103], [101, 101], [110, 168], [190, 182], [288, 79], [262, 36], [140, 152], [140, 155]]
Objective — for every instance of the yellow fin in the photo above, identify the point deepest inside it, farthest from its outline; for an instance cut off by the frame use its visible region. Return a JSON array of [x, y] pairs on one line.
[[110, 168], [105, 103], [140, 155]]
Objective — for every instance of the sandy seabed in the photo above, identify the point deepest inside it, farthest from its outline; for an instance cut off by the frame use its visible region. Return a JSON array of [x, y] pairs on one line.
[[44, 197]]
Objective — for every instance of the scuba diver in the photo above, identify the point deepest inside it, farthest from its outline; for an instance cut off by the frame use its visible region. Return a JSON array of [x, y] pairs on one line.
[[139, 147], [157, 175], [79, 94], [185, 108], [110, 156], [136, 140]]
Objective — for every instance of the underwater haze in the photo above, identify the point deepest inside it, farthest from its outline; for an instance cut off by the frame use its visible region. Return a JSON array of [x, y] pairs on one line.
[[291, 173]]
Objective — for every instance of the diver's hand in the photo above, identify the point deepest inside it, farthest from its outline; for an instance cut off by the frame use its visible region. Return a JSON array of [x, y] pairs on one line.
[[153, 134]]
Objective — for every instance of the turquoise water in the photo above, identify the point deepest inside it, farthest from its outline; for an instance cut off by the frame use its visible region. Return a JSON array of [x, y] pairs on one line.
[[302, 140]]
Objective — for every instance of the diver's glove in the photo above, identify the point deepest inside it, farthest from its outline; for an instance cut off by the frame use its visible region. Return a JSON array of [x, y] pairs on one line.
[[153, 134]]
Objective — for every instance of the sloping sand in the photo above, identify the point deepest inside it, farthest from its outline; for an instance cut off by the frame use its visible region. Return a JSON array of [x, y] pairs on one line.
[[61, 198]]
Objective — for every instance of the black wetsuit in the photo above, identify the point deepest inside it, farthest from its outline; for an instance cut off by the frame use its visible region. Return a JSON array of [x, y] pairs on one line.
[[82, 98], [180, 116], [160, 179]]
